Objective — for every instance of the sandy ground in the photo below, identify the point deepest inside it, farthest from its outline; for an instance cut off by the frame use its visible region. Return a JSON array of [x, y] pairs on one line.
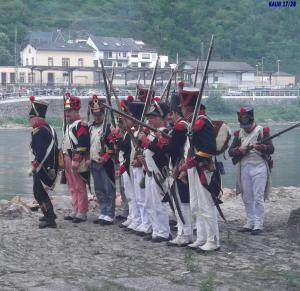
[[91, 257]]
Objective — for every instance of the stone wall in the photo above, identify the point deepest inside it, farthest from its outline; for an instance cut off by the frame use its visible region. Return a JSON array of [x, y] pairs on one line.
[[22, 108]]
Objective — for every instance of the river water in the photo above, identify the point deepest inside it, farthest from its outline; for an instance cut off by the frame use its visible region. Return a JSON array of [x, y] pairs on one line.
[[15, 160]]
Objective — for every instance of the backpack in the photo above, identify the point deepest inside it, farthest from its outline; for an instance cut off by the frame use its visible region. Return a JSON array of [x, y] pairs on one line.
[[222, 134]]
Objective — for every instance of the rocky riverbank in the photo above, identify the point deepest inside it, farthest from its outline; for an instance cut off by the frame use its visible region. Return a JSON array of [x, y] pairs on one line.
[[91, 257]]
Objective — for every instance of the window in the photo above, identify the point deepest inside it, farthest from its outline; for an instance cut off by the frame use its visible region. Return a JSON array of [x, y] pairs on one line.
[[107, 55], [80, 62], [3, 78], [12, 78], [30, 78], [27, 62], [146, 56], [124, 55], [134, 55], [216, 78], [135, 65], [22, 77], [107, 63], [29, 50], [32, 61], [144, 65], [65, 62], [50, 62], [119, 65]]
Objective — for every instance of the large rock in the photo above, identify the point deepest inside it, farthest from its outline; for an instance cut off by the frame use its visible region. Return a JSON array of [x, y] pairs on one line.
[[293, 231]]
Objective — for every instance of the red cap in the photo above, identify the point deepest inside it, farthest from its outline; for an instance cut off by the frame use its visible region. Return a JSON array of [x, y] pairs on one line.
[[72, 102], [130, 98]]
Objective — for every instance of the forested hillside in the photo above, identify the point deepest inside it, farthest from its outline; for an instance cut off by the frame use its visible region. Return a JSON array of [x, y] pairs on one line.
[[245, 29]]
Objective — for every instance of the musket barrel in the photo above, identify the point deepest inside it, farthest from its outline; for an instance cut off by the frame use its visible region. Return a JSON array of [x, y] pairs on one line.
[[143, 124]]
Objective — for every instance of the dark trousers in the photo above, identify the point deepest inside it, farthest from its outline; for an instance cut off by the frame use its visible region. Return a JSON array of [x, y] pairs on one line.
[[105, 190], [42, 197]]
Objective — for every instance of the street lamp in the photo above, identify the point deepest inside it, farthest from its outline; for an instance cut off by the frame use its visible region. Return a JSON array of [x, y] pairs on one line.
[[262, 71], [278, 65]]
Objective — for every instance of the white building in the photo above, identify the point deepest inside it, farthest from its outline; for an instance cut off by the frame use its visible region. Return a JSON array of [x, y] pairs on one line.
[[124, 52], [230, 74]]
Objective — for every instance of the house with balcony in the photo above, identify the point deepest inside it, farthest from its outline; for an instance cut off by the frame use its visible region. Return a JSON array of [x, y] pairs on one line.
[[121, 52]]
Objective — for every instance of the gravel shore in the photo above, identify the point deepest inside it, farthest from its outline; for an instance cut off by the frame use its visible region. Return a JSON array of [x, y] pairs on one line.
[[92, 257]]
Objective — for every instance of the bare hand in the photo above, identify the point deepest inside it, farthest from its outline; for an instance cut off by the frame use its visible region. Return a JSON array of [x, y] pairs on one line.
[[141, 158], [259, 147], [183, 177], [243, 150]]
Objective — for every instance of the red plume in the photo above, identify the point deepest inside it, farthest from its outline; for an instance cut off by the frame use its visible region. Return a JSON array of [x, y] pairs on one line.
[[180, 84], [32, 98], [95, 97], [156, 99], [67, 94], [130, 98], [243, 110]]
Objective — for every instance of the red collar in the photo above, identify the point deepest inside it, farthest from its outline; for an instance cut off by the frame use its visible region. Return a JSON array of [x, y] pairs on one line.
[[40, 123]]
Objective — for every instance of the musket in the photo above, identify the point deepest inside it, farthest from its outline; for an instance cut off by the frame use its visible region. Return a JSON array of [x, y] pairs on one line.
[[140, 123], [137, 86], [235, 160], [166, 91], [149, 95], [63, 179], [195, 115], [108, 95], [196, 72]]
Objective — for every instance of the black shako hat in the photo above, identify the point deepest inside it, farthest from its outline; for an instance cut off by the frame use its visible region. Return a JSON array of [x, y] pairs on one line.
[[174, 104], [38, 108], [135, 108], [158, 108]]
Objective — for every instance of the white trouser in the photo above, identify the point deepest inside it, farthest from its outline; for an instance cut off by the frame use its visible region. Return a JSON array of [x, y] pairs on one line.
[[134, 214], [254, 180], [185, 229], [158, 210], [203, 208], [145, 225]]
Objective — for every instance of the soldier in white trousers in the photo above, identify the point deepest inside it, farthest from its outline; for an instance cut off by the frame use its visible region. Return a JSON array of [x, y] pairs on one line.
[[252, 156], [200, 167], [156, 184]]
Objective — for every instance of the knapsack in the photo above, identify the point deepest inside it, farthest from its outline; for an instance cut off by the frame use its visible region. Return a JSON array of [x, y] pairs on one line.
[[222, 134]]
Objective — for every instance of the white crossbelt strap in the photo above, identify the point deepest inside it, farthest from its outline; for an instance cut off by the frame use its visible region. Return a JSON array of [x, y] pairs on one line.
[[49, 149]]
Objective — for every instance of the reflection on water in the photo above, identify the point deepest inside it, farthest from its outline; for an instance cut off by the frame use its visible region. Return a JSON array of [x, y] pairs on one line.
[[15, 160]]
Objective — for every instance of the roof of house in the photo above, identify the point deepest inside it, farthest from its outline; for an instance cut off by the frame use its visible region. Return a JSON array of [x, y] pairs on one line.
[[104, 43], [44, 36], [55, 41], [58, 46], [222, 66]]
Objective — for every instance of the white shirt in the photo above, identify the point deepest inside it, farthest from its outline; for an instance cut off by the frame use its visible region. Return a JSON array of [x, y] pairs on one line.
[[95, 136]]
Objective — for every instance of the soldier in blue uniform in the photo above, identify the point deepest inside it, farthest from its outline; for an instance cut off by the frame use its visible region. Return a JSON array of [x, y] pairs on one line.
[[45, 163]]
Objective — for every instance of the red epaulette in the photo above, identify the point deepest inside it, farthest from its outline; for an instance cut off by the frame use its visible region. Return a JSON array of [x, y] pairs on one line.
[[266, 130], [180, 125], [199, 123], [237, 133]]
